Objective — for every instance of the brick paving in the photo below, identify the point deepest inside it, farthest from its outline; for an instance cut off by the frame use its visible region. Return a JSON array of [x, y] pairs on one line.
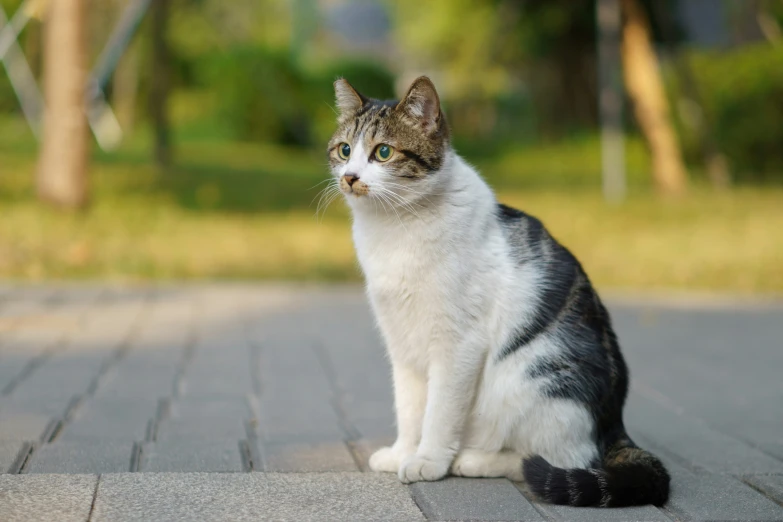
[[251, 402]]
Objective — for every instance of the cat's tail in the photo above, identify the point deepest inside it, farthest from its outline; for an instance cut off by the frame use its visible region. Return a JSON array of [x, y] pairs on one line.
[[630, 476]]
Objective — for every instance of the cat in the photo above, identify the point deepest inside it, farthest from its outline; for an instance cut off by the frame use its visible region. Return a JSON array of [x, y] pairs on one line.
[[504, 361]]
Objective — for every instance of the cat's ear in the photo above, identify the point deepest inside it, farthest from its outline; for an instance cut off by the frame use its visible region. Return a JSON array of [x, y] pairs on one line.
[[348, 99], [421, 103]]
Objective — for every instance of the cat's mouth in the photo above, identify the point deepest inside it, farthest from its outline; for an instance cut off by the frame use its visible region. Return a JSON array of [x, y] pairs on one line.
[[355, 186]]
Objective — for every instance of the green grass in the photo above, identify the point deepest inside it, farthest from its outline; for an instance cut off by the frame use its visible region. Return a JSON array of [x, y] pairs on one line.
[[245, 211]]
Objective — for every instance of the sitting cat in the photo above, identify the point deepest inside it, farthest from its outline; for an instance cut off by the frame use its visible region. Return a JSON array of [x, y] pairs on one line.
[[504, 359]]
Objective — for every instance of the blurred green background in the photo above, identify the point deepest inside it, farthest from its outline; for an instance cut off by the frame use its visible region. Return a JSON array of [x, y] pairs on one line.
[[249, 108]]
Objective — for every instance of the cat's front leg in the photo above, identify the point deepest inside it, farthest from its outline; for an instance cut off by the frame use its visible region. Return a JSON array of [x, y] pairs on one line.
[[451, 388], [410, 396]]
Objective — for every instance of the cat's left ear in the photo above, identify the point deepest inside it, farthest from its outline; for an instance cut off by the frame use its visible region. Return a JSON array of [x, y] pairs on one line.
[[348, 99], [421, 103]]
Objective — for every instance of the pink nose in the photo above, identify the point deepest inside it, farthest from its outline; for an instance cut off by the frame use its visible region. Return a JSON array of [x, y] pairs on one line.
[[350, 178]]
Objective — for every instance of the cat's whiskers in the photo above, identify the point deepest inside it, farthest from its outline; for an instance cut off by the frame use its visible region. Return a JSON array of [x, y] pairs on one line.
[[384, 197], [407, 188], [334, 196], [394, 198], [410, 189], [327, 196], [321, 192], [333, 109], [327, 180], [404, 204], [375, 205], [410, 206], [414, 192]]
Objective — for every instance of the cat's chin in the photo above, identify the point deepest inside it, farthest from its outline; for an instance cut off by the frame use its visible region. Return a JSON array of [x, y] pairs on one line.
[[359, 201]]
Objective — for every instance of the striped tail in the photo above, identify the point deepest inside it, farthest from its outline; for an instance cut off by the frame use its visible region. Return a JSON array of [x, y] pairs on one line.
[[630, 476]]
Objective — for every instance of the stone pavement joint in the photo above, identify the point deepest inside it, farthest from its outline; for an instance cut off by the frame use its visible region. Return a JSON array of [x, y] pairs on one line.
[[769, 485], [137, 454], [19, 460], [9, 454], [246, 454], [162, 412]]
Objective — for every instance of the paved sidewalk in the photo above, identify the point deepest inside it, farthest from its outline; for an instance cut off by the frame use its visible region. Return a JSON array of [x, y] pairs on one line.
[[241, 402]]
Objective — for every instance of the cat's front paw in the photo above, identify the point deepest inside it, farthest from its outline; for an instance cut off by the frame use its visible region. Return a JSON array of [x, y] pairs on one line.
[[388, 459], [421, 467]]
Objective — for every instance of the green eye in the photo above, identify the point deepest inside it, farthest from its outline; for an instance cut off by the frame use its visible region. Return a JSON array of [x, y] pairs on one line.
[[383, 153], [344, 151]]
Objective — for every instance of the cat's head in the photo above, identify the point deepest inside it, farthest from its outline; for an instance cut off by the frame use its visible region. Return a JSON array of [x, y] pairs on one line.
[[389, 151]]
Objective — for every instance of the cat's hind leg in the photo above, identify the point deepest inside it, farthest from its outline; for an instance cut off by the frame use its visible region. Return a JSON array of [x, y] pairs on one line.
[[478, 463]]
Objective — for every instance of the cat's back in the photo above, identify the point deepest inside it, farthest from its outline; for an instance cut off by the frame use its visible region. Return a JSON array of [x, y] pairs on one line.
[[558, 289], [528, 238], [531, 246], [567, 312]]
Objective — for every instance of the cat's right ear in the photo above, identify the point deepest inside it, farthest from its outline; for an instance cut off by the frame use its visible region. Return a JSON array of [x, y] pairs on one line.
[[421, 103], [348, 99]]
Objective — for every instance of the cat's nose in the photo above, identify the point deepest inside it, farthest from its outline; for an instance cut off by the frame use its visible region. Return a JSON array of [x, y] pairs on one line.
[[350, 178]]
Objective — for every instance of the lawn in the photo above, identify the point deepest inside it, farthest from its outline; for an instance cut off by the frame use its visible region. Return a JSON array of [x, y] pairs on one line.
[[245, 211]]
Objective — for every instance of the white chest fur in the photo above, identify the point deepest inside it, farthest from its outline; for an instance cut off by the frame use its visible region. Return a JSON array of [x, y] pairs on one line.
[[407, 284]]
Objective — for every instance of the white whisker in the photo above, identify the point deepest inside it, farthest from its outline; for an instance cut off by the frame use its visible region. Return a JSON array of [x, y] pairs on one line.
[[328, 195], [327, 180], [383, 197], [398, 200], [320, 193], [401, 202]]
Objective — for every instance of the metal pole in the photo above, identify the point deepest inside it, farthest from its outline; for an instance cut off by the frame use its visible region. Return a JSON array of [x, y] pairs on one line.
[[106, 128], [118, 42], [610, 101], [13, 27], [19, 73]]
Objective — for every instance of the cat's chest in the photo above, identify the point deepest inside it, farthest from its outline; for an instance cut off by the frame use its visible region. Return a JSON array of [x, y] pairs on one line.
[[409, 304], [407, 275], [395, 262]]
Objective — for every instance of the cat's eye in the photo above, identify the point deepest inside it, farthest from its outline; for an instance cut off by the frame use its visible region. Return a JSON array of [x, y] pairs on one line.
[[383, 152], [344, 151]]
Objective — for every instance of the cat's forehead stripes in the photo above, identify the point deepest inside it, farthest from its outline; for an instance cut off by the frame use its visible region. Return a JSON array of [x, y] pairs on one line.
[[369, 118], [375, 122]]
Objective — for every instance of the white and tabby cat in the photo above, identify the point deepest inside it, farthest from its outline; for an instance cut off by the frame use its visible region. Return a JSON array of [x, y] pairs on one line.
[[504, 359]]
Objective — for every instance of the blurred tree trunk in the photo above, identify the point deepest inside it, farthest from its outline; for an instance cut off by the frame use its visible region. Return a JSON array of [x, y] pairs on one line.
[[159, 89], [714, 160], [62, 165], [645, 87]]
